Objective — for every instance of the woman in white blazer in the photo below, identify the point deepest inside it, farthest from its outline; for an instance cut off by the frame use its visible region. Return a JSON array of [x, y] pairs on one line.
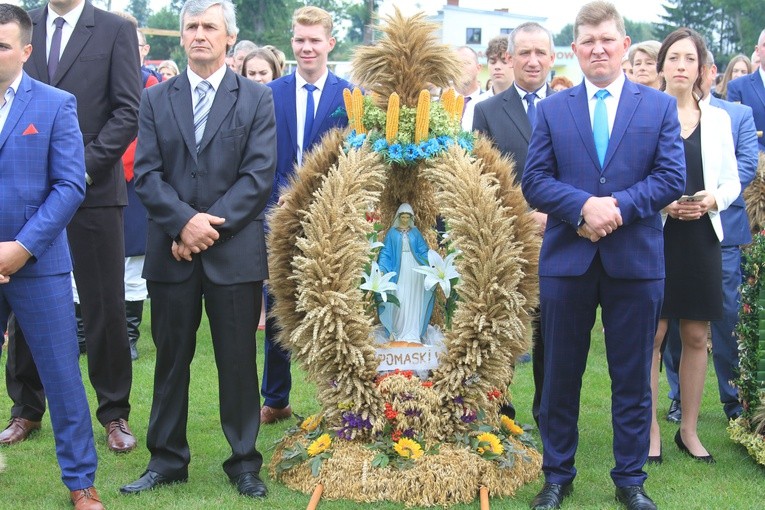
[[692, 233]]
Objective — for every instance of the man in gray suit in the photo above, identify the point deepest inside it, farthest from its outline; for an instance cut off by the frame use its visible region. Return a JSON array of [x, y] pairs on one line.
[[507, 119], [204, 168]]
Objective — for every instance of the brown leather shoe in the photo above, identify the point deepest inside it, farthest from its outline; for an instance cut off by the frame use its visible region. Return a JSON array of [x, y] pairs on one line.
[[86, 499], [18, 430], [119, 438], [270, 414]]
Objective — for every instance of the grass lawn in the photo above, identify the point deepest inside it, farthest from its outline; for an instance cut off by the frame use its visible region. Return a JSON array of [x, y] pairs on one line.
[[31, 479]]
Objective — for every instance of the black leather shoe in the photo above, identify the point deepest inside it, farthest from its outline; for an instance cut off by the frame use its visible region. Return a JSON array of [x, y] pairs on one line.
[[675, 414], [150, 480], [250, 484], [634, 498], [681, 445], [551, 496]]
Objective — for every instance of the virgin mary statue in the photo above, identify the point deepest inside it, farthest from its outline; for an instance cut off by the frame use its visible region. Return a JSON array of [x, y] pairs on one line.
[[404, 250]]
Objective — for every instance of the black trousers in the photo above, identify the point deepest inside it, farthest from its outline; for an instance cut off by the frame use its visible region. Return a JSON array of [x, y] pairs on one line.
[[176, 312], [98, 251]]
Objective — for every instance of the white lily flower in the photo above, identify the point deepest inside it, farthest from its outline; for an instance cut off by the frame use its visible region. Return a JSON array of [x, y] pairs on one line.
[[376, 244], [440, 271], [378, 282]]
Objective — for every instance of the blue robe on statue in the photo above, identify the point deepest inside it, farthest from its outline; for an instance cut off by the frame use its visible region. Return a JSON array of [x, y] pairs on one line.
[[390, 259]]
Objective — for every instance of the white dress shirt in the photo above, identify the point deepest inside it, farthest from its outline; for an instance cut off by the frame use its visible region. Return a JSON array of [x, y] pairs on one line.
[[8, 96], [301, 102], [612, 101], [214, 80], [70, 19]]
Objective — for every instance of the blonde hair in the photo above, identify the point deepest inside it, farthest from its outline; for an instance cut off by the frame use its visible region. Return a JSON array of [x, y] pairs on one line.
[[729, 73], [311, 15], [595, 13]]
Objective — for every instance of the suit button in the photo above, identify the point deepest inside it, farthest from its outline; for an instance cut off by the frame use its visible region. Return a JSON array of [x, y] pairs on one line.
[[193, 175], [602, 180]]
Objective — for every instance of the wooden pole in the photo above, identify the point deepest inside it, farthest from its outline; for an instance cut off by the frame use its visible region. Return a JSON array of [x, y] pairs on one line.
[[484, 497], [315, 497]]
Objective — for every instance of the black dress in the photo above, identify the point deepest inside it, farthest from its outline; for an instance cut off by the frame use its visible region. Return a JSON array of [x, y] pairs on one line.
[[692, 255]]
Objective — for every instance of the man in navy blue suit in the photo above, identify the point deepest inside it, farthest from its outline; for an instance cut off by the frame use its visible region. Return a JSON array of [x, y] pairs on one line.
[[42, 182], [750, 90], [305, 103], [736, 229], [604, 158]]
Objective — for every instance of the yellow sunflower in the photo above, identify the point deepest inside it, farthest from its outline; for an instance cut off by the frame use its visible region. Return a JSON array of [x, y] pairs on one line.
[[489, 443], [310, 423], [509, 425], [408, 448], [319, 445]]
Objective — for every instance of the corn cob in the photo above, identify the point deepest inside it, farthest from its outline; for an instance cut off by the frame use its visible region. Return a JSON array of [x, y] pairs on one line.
[[423, 117], [447, 99], [358, 110], [391, 122], [459, 106], [348, 100]]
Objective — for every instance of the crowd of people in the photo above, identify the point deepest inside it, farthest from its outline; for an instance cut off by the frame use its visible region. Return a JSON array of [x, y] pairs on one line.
[[156, 183]]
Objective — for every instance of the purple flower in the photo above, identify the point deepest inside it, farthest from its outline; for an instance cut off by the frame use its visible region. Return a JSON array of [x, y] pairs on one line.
[[412, 412], [408, 433], [352, 421], [458, 400], [468, 417]]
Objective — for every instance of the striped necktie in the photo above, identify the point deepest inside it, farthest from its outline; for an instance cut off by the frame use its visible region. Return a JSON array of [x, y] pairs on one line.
[[202, 110]]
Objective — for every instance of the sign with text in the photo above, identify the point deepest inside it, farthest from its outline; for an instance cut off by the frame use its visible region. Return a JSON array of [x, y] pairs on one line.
[[421, 357]]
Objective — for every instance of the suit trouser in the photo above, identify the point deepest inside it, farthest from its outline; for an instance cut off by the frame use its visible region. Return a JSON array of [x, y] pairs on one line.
[[724, 341], [176, 312], [98, 249], [277, 378], [43, 306], [630, 313]]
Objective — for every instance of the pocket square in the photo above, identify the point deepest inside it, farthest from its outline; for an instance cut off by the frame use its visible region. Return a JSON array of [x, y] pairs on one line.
[[30, 130]]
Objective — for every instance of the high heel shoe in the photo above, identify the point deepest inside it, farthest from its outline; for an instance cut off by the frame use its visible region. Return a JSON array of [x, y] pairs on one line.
[[656, 459], [703, 458]]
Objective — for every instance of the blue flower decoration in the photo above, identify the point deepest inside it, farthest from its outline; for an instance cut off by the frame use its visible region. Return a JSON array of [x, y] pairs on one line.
[[356, 141], [413, 153], [431, 147], [396, 152], [445, 141], [465, 144], [380, 145]]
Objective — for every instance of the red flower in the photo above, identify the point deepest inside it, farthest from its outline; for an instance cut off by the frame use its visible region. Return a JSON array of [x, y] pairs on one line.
[[390, 413], [396, 436], [494, 394], [427, 384], [747, 308]]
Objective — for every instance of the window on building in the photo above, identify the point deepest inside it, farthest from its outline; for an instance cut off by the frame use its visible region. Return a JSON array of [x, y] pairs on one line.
[[505, 31], [473, 36]]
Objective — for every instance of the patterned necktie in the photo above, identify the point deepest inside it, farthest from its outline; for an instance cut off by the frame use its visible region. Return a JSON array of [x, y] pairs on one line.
[[532, 109], [600, 125], [310, 112], [202, 110], [55, 48]]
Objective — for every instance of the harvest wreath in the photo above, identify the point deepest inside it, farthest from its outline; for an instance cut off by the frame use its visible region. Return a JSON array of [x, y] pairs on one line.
[[395, 436]]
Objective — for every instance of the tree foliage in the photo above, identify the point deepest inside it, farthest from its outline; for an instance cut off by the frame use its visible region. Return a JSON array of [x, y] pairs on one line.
[[637, 30]]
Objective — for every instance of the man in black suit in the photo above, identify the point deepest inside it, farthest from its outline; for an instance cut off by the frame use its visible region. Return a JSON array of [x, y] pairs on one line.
[[204, 168], [507, 120], [93, 55]]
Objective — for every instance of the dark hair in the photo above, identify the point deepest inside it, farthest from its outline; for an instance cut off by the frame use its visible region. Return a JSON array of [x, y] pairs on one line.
[[13, 14], [266, 55], [701, 51]]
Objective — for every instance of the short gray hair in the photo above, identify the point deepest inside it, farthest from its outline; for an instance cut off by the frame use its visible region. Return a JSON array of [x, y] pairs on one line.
[[197, 7], [528, 27], [245, 47], [650, 48]]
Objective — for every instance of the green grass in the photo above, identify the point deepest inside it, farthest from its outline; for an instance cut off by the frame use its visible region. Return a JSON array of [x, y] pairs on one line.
[[31, 479]]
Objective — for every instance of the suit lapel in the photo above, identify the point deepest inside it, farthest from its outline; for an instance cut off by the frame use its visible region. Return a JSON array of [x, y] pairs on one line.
[[80, 36], [287, 97], [758, 86], [327, 99], [20, 102], [514, 109], [580, 111], [39, 32], [628, 103], [180, 102], [225, 98]]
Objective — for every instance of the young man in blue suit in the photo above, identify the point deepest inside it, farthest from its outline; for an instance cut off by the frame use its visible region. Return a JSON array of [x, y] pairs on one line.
[[735, 224], [750, 90], [42, 182], [604, 158], [298, 128]]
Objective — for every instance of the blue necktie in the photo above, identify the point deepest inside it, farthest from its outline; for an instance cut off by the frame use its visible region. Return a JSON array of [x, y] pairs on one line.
[[310, 112], [55, 48], [532, 109], [600, 125], [202, 110]]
